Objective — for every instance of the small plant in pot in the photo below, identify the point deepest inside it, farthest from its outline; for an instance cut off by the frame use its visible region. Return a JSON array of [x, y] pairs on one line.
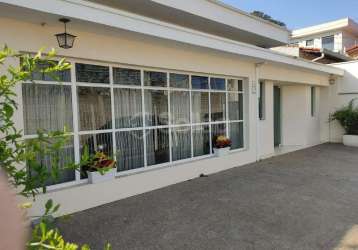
[[347, 116], [100, 168], [222, 145]]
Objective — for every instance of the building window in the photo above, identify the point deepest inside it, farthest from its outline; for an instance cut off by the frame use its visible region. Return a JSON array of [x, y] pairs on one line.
[[313, 101], [262, 101], [309, 43], [328, 42], [139, 117]]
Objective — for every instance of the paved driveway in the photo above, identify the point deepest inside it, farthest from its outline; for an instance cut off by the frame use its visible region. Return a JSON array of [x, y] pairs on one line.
[[303, 200]]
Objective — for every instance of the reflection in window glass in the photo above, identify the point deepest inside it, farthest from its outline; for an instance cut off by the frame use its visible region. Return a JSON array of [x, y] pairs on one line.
[[96, 143], [199, 82], [157, 79], [92, 73], [181, 143], [218, 106], [179, 81], [156, 107], [94, 108], [130, 150], [235, 106], [65, 158], [234, 85], [237, 135], [180, 107], [217, 83], [128, 108], [126, 76], [200, 107], [328, 42], [47, 107], [157, 141], [201, 140]]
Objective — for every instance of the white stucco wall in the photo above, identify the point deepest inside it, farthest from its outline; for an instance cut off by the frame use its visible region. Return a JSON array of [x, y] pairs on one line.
[[115, 46]]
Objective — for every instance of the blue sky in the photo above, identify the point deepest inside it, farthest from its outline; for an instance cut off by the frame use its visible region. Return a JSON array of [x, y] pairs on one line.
[[301, 13]]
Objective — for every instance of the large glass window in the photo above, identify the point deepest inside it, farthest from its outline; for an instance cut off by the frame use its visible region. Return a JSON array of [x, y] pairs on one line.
[[60, 76], [130, 150], [157, 146], [181, 143], [218, 106], [128, 108], [156, 107], [328, 42], [94, 106], [139, 117], [92, 73], [180, 107], [47, 107]]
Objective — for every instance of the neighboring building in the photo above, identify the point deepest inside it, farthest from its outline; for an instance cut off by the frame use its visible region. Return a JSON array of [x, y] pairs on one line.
[[336, 36], [152, 84]]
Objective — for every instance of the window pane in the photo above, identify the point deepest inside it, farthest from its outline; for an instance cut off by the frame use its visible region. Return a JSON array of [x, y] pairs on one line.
[[130, 150], [237, 135], [235, 106], [66, 157], [158, 79], [328, 42], [218, 130], [201, 140], [96, 143], [313, 101], [128, 108], [156, 107], [217, 83], [218, 104], [200, 107], [199, 82], [234, 85], [180, 107], [92, 73], [61, 76], [262, 101], [179, 81], [181, 143], [157, 146], [126, 76], [94, 108], [309, 43], [47, 107]]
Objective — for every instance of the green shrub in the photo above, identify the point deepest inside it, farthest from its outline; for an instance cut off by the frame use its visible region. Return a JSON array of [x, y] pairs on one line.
[[348, 118]]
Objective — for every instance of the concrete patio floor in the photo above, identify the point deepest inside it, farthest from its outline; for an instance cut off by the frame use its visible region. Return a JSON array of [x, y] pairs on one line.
[[303, 200]]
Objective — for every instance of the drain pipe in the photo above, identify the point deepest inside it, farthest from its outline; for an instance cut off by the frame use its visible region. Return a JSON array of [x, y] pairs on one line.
[[319, 58], [256, 89]]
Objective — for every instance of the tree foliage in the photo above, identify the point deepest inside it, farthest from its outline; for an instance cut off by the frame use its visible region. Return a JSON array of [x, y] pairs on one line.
[[347, 116], [19, 158], [264, 16]]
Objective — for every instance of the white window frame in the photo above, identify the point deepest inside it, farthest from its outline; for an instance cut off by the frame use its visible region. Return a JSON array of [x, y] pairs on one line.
[[76, 133]]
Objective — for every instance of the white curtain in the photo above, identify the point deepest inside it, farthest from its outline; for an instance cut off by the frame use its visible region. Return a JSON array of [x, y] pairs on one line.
[[47, 107], [200, 107], [128, 108], [201, 140], [130, 150], [181, 143], [157, 146], [180, 107], [156, 107], [218, 106]]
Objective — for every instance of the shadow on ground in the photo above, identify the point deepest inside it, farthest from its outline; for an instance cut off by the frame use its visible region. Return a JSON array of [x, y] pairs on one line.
[[303, 200]]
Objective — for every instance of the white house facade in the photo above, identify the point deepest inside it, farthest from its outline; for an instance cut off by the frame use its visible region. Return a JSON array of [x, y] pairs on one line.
[[152, 85]]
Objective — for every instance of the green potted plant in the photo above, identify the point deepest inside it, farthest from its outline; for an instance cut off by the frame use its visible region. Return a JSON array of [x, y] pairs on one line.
[[347, 116], [100, 168], [222, 145]]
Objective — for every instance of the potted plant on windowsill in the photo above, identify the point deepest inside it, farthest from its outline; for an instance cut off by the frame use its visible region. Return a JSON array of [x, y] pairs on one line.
[[222, 145], [100, 168], [348, 118]]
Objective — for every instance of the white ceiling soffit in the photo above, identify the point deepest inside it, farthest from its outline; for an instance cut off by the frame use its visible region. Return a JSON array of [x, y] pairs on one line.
[[209, 16], [82, 10]]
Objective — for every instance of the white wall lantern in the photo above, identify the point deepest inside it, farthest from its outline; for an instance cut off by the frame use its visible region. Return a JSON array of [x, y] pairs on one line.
[[65, 40]]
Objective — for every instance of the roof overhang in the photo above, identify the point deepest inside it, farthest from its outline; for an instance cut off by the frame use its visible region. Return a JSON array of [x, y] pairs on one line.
[[108, 17], [345, 24], [209, 16]]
